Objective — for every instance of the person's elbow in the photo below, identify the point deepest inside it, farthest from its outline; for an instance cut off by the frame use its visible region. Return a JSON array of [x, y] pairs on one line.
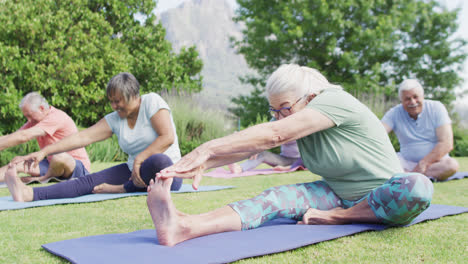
[[450, 145], [447, 145], [169, 139], [388, 129]]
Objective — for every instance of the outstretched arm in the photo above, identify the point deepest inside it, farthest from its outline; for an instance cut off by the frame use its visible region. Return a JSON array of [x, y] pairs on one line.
[[20, 137], [97, 132], [444, 145], [251, 140]]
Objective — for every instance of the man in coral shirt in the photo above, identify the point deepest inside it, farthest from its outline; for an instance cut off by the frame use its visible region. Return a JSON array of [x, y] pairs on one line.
[[47, 125]]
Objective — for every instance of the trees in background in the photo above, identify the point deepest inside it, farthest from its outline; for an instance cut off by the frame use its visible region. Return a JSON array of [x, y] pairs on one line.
[[367, 46], [68, 50]]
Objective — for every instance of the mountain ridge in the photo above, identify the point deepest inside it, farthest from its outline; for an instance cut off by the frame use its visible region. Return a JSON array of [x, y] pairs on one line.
[[208, 25]]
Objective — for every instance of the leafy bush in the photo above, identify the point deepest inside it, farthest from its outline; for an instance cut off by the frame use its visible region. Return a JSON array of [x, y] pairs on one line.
[[106, 151], [196, 124], [68, 51], [460, 142], [248, 108], [7, 154]]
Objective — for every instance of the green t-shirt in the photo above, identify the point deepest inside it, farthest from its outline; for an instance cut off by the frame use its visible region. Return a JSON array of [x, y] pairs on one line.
[[353, 157]]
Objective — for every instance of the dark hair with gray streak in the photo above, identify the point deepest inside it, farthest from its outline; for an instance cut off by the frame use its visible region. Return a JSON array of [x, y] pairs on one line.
[[124, 83]]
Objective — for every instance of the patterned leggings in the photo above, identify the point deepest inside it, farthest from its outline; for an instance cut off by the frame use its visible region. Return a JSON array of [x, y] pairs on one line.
[[397, 202]]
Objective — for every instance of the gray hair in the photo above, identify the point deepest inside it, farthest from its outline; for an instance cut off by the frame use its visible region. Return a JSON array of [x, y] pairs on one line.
[[292, 77], [34, 100], [124, 83], [409, 84]]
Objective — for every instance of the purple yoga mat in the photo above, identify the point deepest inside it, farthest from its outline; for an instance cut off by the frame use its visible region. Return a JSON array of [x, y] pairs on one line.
[[223, 173], [276, 236]]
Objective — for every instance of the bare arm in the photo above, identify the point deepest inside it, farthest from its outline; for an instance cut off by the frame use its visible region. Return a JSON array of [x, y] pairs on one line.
[[97, 132], [255, 139], [387, 127], [218, 161], [161, 122], [444, 145], [269, 135], [20, 137]]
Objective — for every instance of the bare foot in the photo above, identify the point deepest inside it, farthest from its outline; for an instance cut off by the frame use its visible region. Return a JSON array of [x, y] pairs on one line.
[[235, 168], [167, 220], [19, 191], [320, 217], [108, 188]]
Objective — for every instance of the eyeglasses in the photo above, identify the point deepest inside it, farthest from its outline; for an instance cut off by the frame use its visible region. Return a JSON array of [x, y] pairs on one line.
[[284, 111]]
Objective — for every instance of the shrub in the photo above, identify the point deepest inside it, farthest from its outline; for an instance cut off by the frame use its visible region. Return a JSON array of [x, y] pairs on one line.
[[195, 123], [7, 154], [106, 151], [460, 142], [68, 51]]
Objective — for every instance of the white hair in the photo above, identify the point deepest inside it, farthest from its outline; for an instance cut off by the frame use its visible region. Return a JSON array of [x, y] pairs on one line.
[[34, 100], [409, 84], [292, 77]]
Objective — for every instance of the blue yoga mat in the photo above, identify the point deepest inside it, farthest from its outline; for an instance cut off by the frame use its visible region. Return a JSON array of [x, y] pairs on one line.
[[7, 203], [276, 236]]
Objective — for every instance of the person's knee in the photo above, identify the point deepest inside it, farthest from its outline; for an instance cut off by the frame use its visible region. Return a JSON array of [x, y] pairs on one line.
[[422, 188], [152, 165], [403, 199], [452, 166], [159, 161], [62, 159]]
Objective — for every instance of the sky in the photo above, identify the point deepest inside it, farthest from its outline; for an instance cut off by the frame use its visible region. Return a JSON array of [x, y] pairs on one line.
[[163, 5]]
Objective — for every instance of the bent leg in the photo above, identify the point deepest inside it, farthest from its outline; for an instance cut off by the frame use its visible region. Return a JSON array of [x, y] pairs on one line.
[[397, 202], [83, 185], [401, 198], [152, 165], [61, 165], [287, 201], [443, 169], [269, 158]]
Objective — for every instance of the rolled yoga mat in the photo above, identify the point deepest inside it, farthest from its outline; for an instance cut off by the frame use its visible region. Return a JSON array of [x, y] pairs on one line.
[[275, 236]]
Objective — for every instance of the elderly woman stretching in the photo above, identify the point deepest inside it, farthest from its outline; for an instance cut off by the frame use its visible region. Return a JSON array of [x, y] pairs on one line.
[[339, 138], [145, 130]]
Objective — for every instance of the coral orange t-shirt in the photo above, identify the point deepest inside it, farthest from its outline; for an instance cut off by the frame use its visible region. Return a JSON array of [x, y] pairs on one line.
[[58, 125]]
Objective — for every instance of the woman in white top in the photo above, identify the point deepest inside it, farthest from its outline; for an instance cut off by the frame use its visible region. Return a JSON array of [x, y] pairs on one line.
[[145, 130]]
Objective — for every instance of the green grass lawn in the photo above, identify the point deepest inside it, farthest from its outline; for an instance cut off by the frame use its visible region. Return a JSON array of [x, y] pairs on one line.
[[22, 232]]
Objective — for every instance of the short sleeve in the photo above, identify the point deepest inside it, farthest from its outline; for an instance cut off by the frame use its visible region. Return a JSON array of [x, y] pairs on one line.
[[49, 124], [441, 115], [112, 120], [153, 103], [389, 117], [337, 105]]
